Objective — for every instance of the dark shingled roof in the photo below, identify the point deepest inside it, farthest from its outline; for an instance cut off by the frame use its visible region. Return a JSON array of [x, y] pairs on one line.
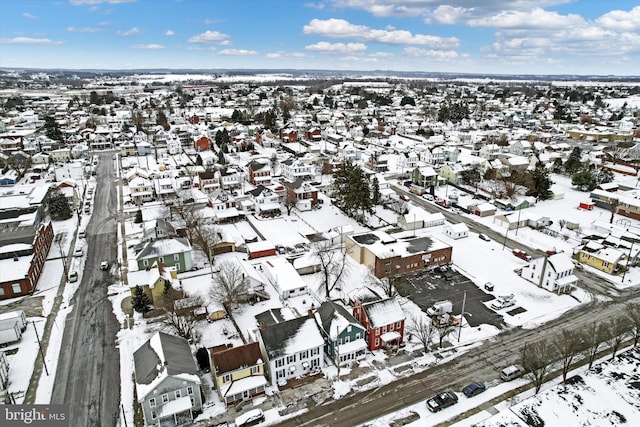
[[329, 310], [236, 357], [177, 358], [275, 338]]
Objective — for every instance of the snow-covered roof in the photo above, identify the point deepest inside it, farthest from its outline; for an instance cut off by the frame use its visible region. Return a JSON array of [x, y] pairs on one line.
[[164, 247], [384, 312], [291, 337]]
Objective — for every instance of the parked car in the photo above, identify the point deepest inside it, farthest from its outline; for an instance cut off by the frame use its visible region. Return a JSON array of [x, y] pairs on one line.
[[73, 277], [441, 401], [521, 254], [104, 265], [483, 237], [488, 286], [77, 252], [474, 389], [503, 302], [511, 373], [250, 418]]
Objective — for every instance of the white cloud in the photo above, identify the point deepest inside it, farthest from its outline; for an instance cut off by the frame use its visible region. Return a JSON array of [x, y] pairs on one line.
[[337, 47], [94, 2], [169, 33], [535, 18], [621, 20], [237, 52], [73, 29], [29, 16], [281, 54], [29, 40], [446, 14], [340, 28], [129, 32], [436, 55], [209, 37], [147, 46]]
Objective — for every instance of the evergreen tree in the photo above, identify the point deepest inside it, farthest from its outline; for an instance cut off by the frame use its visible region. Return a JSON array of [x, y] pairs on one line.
[[375, 191], [58, 205], [140, 301], [605, 176], [574, 163], [541, 182], [584, 179], [52, 130]]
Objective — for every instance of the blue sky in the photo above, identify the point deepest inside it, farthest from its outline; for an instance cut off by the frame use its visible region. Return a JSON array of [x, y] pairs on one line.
[[476, 36]]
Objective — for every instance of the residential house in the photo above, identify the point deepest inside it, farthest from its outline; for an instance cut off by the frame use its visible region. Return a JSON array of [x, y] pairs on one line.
[[230, 177], [166, 381], [152, 281], [157, 229], [482, 209], [172, 252], [141, 190], [457, 231], [238, 372], [553, 272], [259, 172], [265, 201], [284, 277], [292, 348], [383, 321], [601, 257], [202, 143], [344, 336], [302, 193], [61, 155], [224, 206], [293, 169], [425, 177], [208, 181], [387, 256], [9, 178]]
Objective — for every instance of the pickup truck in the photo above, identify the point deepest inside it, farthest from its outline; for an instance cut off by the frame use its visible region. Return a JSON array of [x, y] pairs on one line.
[[441, 401], [521, 254]]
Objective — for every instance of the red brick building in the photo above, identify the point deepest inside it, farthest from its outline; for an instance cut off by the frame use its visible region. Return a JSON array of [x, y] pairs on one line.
[[383, 321], [21, 264]]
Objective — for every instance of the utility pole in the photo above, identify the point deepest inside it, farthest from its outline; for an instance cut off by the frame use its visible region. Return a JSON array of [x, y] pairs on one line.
[[44, 362], [464, 300]]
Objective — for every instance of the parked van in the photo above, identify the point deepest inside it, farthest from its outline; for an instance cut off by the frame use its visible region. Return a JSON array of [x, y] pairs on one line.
[[250, 418], [511, 373]]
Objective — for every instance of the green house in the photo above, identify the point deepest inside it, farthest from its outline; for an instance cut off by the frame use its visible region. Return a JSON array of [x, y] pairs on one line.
[[343, 335], [175, 252]]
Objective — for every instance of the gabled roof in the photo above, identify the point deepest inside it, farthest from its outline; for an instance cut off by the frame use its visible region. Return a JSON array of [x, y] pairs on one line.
[[334, 318], [164, 247], [384, 312], [162, 356], [291, 336], [235, 358]]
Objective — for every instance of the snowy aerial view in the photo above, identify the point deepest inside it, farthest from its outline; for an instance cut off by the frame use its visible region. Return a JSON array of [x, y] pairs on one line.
[[380, 213]]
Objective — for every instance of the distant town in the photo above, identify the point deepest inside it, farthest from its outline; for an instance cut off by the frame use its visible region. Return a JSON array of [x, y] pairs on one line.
[[319, 248]]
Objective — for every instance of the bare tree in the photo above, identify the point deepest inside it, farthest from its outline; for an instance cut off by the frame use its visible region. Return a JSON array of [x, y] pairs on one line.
[[444, 329], [423, 330], [616, 332], [536, 361], [633, 313], [332, 264], [206, 237], [229, 284], [567, 345], [181, 325], [593, 337]]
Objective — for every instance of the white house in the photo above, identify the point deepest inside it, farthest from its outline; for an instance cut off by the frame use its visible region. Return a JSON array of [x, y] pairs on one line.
[[284, 277], [457, 231], [293, 348], [554, 273]]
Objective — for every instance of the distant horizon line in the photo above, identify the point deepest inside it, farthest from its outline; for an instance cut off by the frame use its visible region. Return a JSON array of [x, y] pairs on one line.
[[386, 73]]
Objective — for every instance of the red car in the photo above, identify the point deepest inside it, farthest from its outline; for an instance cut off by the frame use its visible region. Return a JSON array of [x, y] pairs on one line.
[[521, 254]]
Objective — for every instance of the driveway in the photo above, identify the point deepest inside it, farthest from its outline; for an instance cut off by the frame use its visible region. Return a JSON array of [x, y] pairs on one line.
[[429, 286]]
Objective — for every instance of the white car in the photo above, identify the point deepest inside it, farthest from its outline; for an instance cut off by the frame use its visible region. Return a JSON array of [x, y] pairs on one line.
[[77, 252], [104, 265]]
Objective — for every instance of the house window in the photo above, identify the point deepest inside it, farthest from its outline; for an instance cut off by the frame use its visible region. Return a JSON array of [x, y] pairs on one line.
[[281, 373], [304, 354], [176, 257], [255, 370], [315, 351], [377, 343], [1, 291], [178, 394], [357, 335], [165, 398], [177, 265], [153, 415], [193, 402], [226, 378], [152, 402], [190, 390], [145, 262], [398, 325], [17, 289], [291, 359], [161, 259], [279, 363]]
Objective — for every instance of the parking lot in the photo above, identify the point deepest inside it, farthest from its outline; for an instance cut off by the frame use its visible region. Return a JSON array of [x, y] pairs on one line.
[[426, 287]]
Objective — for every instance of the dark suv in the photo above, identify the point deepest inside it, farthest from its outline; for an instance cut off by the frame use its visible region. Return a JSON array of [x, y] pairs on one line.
[[474, 389], [441, 401]]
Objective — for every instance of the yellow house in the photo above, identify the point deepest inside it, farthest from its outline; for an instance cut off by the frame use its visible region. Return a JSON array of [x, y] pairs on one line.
[[152, 281], [601, 257], [238, 372]]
